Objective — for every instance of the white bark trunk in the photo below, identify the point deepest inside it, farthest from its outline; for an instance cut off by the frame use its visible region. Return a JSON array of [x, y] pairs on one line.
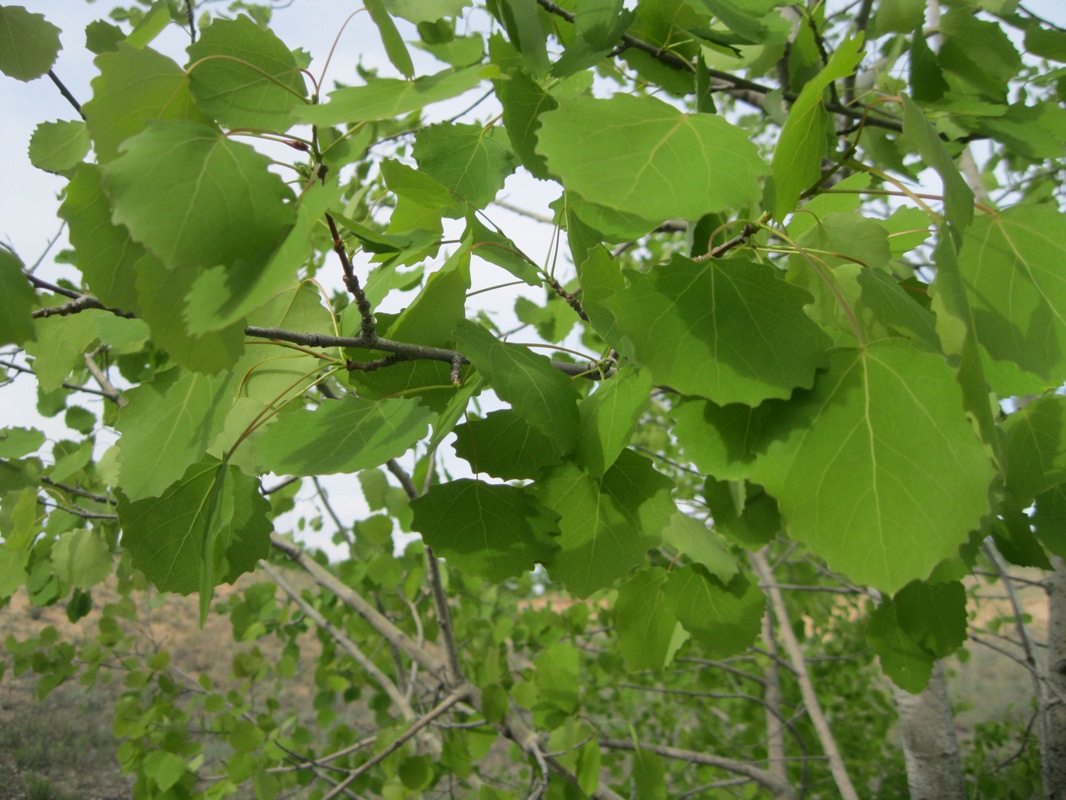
[[931, 751], [1054, 750]]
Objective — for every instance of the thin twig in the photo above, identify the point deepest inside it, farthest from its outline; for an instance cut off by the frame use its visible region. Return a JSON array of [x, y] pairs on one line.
[[379, 677], [108, 388], [74, 490], [436, 585], [351, 282], [757, 774], [420, 723], [63, 90], [810, 698]]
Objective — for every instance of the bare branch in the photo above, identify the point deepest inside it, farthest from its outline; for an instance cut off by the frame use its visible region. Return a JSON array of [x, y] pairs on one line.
[[757, 774], [799, 666], [379, 677]]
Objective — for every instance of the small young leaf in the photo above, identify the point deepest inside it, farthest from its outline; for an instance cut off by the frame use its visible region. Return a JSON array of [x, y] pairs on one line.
[[59, 146], [31, 43]]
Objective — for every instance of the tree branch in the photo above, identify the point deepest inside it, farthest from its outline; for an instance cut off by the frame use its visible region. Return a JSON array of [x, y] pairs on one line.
[[436, 586], [63, 90], [799, 666], [351, 282], [757, 774], [379, 677], [410, 352]]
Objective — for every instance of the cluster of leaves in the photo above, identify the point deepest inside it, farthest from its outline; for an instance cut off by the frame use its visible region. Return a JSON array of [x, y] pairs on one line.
[[773, 368]]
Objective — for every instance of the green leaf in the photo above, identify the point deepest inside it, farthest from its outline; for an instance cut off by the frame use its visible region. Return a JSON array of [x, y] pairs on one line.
[[1049, 520], [523, 102], [425, 10], [738, 321], [59, 146], [151, 24], [17, 299], [607, 524], [926, 80], [1034, 448], [958, 196], [805, 137], [59, 345], [1010, 264], [82, 558], [13, 562], [158, 290], [903, 660], [719, 440], [230, 206], [225, 295], [106, 255], [244, 76], [103, 37], [30, 43], [912, 500], [933, 615], [648, 775], [18, 442], [540, 394], [430, 320], [384, 98], [470, 160], [702, 545], [209, 527], [344, 435], [521, 18], [503, 445], [166, 769], [742, 512], [490, 530], [133, 87], [725, 618], [957, 332], [978, 52], [167, 425], [644, 624], [395, 48], [901, 16], [608, 418], [641, 156]]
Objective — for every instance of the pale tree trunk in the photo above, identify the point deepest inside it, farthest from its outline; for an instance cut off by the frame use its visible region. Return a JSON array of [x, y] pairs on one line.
[[931, 751], [775, 727], [1054, 750]]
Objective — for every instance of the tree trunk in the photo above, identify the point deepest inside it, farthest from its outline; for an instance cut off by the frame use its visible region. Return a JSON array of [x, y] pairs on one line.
[[1054, 750], [934, 768]]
